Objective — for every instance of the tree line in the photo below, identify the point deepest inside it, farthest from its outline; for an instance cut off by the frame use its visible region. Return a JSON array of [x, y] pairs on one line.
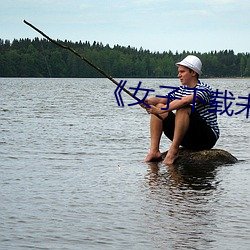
[[41, 58]]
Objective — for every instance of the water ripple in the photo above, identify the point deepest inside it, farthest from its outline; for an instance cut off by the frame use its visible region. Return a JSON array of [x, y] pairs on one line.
[[72, 175]]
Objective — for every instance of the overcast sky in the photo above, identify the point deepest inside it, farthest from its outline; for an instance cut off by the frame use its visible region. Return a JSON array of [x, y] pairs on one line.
[[157, 25]]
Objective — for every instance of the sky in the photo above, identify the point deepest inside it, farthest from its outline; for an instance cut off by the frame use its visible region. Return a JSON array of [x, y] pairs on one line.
[[155, 25]]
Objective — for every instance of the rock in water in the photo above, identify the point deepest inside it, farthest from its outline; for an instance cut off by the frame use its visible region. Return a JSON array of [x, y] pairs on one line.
[[204, 157]]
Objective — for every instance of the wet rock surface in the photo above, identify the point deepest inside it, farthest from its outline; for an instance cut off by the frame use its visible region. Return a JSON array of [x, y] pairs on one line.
[[204, 157]]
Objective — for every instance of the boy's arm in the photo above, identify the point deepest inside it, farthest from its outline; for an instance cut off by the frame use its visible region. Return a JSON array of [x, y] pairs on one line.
[[173, 105]]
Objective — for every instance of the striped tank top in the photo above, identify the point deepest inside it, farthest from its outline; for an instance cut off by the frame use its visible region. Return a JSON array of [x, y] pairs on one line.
[[206, 111]]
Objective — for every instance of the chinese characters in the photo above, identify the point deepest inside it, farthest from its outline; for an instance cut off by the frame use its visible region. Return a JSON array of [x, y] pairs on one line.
[[221, 102]]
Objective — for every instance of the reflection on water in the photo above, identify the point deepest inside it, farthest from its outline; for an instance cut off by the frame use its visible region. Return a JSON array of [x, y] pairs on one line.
[[194, 207], [189, 177], [184, 194]]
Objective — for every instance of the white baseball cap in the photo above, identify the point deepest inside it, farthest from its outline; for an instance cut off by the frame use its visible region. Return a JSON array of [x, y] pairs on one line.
[[191, 62]]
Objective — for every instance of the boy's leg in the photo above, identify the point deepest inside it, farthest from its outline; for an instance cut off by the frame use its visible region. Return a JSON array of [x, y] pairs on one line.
[[156, 128], [155, 137], [182, 119]]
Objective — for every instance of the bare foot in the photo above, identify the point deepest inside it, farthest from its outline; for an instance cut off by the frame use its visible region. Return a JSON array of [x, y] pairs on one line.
[[153, 156], [170, 157]]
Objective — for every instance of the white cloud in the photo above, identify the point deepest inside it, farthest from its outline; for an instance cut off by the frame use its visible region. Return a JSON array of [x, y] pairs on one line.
[[83, 6], [221, 2], [225, 5], [149, 2]]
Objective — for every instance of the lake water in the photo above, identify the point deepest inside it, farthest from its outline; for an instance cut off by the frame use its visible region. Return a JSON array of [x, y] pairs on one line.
[[72, 174]]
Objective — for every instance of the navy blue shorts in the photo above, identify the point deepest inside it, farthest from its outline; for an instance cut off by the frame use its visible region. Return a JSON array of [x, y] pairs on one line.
[[199, 135]]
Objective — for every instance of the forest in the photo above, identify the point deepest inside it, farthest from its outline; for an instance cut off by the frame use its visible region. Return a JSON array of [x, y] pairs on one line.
[[41, 58]]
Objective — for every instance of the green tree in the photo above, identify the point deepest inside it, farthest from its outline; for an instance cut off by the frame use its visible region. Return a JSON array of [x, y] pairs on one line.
[[247, 69]]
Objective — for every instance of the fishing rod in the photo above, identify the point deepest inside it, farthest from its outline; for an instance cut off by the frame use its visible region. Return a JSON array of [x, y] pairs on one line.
[[87, 61]]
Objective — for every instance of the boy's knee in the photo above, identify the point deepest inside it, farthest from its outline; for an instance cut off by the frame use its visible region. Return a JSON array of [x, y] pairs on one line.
[[184, 110], [160, 105]]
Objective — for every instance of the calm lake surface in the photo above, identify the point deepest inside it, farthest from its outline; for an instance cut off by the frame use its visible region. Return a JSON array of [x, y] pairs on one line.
[[72, 174]]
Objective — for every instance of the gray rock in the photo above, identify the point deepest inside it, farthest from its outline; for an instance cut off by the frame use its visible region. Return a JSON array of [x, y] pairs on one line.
[[204, 157]]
